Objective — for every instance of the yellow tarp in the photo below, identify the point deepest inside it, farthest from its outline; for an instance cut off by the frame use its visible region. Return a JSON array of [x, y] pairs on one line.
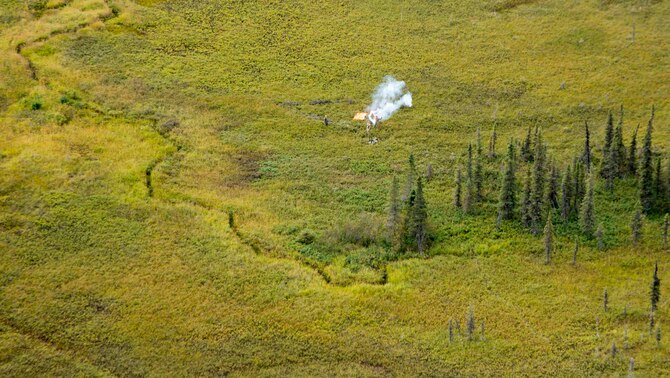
[[360, 116]]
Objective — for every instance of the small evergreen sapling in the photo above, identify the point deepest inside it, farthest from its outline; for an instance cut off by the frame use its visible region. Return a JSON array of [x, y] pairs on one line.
[[666, 222], [587, 218], [586, 153], [636, 227], [655, 294], [458, 193], [632, 154], [507, 201]]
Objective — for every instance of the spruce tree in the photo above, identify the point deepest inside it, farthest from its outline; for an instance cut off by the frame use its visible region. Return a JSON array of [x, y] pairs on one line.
[[548, 240], [507, 201], [394, 211], [587, 216], [586, 153], [526, 200], [607, 144], [566, 194], [610, 170], [605, 300], [647, 198], [458, 201], [470, 176], [551, 199], [659, 186], [478, 175], [537, 201], [411, 176], [636, 227], [655, 294], [665, 230], [492, 143], [579, 184], [451, 331], [527, 149], [419, 225], [619, 148], [470, 195], [632, 154]]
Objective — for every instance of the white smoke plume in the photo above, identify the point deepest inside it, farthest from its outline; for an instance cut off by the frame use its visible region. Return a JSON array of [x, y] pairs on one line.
[[389, 96]]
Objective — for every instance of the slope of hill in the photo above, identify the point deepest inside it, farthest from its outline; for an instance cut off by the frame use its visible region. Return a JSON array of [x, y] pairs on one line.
[[171, 202]]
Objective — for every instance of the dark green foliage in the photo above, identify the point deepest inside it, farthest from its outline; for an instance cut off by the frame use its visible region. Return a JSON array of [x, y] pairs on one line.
[[548, 240], [470, 194], [665, 230], [586, 153], [419, 220], [458, 201], [632, 154], [526, 200], [636, 227], [610, 167], [652, 321], [37, 7], [411, 177], [587, 215], [231, 220], [507, 201], [579, 187], [567, 194], [618, 148], [655, 294], [647, 198], [605, 300], [658, 336], [537, 196], [551, 199], [526, 148], [469, 170], [659, 187], [607, 144], [393, 212]]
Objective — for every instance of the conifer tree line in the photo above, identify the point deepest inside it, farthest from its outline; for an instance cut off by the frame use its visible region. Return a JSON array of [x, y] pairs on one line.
[[531, 186], [407, 225]]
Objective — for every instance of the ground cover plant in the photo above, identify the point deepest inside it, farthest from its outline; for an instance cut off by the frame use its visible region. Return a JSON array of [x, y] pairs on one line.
[[172, 202]]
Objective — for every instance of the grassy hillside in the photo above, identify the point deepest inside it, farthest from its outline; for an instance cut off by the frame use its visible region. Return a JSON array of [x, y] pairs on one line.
[[132, 129]]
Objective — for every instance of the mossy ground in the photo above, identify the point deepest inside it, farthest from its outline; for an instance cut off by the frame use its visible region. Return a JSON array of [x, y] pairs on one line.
[[210, 105]]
